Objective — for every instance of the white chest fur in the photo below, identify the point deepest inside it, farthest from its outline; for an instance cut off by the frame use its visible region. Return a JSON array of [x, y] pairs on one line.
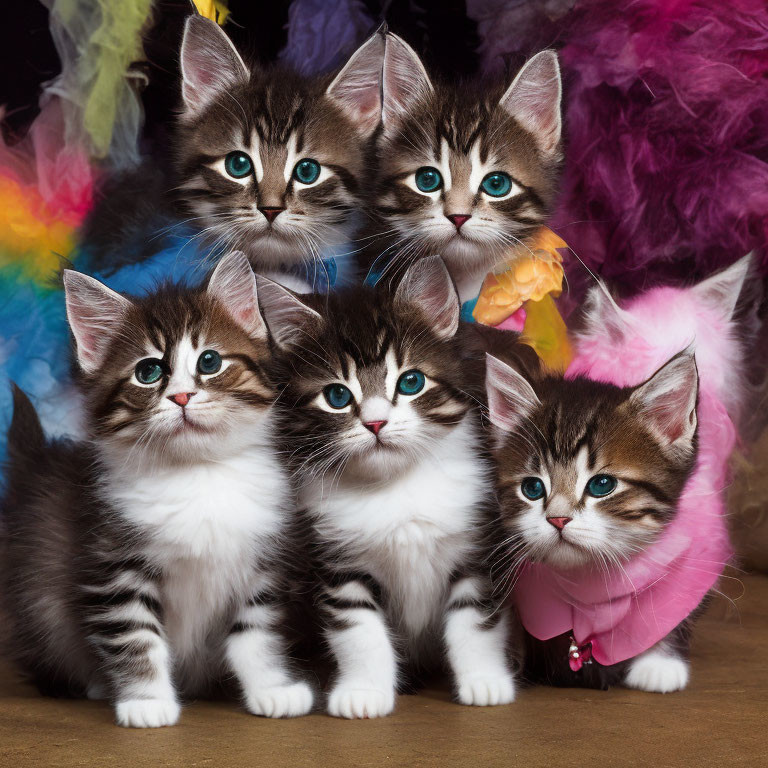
[[413, 531], [206, 525]]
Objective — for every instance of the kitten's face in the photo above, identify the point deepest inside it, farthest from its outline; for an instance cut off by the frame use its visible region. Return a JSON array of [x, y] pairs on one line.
[[462, 176], [591, 474], [176, 376], [270, 163], [369, 384]]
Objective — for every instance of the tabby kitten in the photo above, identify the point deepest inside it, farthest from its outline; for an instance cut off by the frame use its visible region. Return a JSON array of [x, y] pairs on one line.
[[462, 174], [269, 162], [146, 563], [396, 488], [590, 475]]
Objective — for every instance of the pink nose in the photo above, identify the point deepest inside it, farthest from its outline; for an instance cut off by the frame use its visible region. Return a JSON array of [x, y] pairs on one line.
[[182, 398], [271, 213], [559, 522], [374, 426], [458, 219]]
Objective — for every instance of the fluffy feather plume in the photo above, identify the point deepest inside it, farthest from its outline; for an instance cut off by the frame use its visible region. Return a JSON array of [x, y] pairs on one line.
[[666, 107]]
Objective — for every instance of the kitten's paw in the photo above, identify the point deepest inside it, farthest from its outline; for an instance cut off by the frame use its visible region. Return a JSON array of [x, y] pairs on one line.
[[356, 702], [147, 713], [486, 691], [292, 700], [657, 673]]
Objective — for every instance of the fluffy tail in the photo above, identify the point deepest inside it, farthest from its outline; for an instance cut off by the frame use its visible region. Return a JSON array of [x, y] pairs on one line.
[[25, 435]]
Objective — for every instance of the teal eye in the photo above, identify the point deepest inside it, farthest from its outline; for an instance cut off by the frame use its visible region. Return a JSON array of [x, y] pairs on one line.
[[306, 171], [337, 395], [496, 184], [149, 371], [209, 362], [238, 165], [533, 488], [602, 485], [428, 179], [411, 383]]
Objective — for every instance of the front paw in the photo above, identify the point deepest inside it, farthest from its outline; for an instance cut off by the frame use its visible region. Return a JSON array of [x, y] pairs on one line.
[[292, 700], [356, 701], [657, 673], [147, 713], [486, 691]]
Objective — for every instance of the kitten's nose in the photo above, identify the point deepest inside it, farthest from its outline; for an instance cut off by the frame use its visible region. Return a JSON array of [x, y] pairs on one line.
[[182, 398], [374, 426], [559, 522], [458, 219], [271, 213]]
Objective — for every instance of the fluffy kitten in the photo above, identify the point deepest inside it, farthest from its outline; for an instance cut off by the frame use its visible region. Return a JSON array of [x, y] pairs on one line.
[[146, 562], [269, 162], [396, 487], [589, 475], [463, 174]]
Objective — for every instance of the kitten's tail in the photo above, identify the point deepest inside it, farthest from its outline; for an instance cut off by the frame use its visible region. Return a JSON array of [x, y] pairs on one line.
[[25, 435]]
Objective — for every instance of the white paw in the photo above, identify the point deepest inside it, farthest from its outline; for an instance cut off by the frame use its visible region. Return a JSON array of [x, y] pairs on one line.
[[147, 713], [290, 700], [486, 691], [357, 702], [657, 673]]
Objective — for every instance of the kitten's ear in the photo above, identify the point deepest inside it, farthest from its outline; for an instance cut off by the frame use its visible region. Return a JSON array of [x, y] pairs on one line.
[[534, 98], [721, 291], [233, 284], [602, 313], [95, 314], [510, 397], [209, 63], [667, 401], [284, 312], [357, 88], [404, 82], [428, 285]]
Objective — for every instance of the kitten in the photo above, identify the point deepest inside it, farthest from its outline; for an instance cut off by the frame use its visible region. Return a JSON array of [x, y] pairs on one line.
[[396, 487], [147, 562], [612, 485], [465, 174], [269, 162], [589, 476]]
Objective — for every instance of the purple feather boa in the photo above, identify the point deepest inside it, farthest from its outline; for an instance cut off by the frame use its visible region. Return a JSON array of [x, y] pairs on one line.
[[666, 125]]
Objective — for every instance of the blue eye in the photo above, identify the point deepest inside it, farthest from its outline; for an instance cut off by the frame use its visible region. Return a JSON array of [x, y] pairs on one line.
[[209, 362], [238, 165], [533, 488], [411, 382], [306, 171], [496, 184], [602, 485], [149, 371], [337, 395], [428, 179]]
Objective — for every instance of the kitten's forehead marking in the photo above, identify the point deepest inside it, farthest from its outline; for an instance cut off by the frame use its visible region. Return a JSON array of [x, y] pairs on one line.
[[390, 360], [255, 152], [291, 156], [444, 164], [478, 169], [183, 366]]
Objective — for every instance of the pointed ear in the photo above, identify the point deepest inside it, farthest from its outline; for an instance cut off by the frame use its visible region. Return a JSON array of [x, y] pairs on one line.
[[667, 401], [209, 63], [533, 100], [428, 285], [721, 291], [602, 313], [95, 314], [233, 285], [357, 88], [510, 397], [404, 82], [283, 311]]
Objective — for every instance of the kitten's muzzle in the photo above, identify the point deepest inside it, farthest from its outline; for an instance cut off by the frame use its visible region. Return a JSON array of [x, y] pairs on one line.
[[559, 522]]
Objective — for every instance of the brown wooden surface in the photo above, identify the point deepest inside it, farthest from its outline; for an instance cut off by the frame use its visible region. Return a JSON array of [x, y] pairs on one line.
[[721, 720]]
